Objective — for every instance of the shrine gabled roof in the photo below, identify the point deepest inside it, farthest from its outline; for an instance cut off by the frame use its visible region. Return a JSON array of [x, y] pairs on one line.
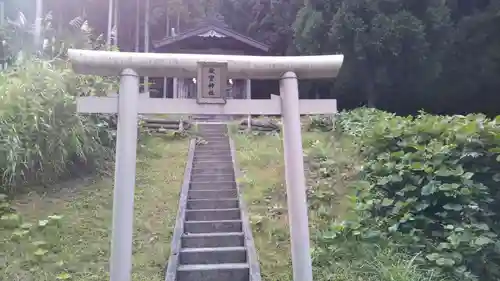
[[211, 31]]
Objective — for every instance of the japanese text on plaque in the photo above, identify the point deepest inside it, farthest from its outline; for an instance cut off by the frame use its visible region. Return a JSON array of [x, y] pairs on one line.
[[211, 81]]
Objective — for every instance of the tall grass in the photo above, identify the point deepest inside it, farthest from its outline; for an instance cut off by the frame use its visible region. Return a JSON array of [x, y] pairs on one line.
[[42, 138], [354, 261]]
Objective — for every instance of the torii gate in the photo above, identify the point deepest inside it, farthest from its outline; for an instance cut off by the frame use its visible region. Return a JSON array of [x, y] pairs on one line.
[[210, 71]]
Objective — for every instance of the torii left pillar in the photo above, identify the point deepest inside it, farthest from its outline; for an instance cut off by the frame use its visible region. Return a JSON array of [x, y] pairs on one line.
[[125, 170]]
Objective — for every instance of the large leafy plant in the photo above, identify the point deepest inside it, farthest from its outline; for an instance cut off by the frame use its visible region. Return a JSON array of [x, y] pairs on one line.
[[430, 184]]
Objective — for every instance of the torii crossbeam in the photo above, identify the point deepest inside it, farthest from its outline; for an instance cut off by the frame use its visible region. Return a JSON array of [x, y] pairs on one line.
[[212, 71]]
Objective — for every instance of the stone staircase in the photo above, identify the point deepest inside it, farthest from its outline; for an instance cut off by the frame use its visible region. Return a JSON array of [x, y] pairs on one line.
[[212, 239]]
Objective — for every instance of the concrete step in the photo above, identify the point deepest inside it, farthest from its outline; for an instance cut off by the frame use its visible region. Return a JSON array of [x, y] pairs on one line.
[[212, 169], [198, 164], [216, 161], [213, 255], [215, 138], [224, 143], [212, 226], [214, 145], [210, 158], [213, 194], [225, 203], [213, 214], [212, 185], [195, 178], [203, 240], [210, 148], [214, 272], [212, 131], [212, 153], [212, 139], [217, 170]]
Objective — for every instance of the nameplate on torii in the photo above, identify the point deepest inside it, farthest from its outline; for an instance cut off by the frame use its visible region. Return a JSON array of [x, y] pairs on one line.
[[211, 83]]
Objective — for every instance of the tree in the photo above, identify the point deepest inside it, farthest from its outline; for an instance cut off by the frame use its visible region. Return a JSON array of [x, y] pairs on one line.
[[388, 44], [472, 65]]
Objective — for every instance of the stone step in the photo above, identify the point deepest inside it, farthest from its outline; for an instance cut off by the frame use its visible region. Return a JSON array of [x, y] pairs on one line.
[[202, 240], [216, 160], [212, 153], [213, 226], [213, 214], [205, 152], [226, 203], [210, 158], [215, 138], [213, 194], [220, 140], [203, 177], [214, 130], [212, 138], [211, 148], [214, 272], [214, 145], [212, 133], [213, 255], [212, 171], [198, 164], [212, 141], [212, 185]]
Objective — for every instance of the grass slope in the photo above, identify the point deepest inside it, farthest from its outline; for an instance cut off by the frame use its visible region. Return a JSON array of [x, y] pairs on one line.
[[262, 163], [332, 165], [83, 241]]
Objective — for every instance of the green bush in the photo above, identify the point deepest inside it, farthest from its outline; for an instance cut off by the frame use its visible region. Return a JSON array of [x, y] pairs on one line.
[[42, 137], [430, 186], [333, 165]]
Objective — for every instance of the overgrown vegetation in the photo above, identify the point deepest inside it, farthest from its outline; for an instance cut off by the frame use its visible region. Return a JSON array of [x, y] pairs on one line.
[[429, 188], [43, 138], [333, 164], [73, 242]]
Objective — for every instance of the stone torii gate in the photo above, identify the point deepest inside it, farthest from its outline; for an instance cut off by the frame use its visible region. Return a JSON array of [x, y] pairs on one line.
[[212, 72]]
